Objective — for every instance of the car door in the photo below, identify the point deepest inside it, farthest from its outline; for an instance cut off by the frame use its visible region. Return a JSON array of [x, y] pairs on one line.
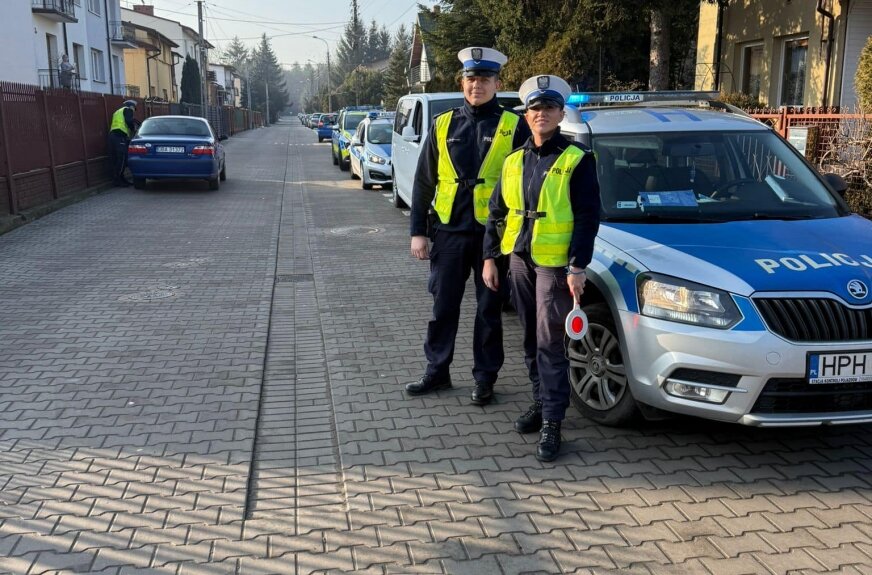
[[356, 152], [404, 169]]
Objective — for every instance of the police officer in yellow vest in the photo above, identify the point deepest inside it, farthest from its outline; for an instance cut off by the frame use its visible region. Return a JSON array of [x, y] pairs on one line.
[[457, 170], [121, 129], [549, 201]]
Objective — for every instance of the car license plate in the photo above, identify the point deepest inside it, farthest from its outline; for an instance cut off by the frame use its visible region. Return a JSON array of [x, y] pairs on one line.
[[844, 367], [170, 149]]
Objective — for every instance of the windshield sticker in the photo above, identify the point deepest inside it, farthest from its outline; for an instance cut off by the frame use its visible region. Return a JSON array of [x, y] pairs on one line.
[[627, 205], [681, 198]]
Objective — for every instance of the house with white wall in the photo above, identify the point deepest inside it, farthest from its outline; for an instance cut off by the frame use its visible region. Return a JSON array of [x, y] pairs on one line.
[[38, 33]]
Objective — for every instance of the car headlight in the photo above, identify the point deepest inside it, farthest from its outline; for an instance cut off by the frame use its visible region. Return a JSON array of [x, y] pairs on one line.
[[377, 159], [686, 302]]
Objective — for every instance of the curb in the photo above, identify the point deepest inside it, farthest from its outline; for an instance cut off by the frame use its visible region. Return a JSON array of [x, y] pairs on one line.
[[9, 223]]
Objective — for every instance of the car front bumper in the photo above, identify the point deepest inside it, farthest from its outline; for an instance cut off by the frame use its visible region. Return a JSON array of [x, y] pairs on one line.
[[372, 173], [654, 349]]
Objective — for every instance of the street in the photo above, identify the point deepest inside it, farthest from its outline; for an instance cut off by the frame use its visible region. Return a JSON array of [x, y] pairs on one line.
[[197, 382]]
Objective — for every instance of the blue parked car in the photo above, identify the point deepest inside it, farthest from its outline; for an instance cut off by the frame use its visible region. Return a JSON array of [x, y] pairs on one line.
[[324, 126], [176, 147]]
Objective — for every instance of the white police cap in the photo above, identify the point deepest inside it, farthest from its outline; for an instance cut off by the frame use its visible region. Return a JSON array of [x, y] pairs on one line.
[[544, 88], [479, 61]]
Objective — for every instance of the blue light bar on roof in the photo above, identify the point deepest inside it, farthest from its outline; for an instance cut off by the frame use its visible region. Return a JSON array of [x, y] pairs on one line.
[[583, 98]]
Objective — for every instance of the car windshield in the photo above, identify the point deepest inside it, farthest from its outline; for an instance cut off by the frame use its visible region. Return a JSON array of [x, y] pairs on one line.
[[351, 121], [705, 177], [379, 134], [174, 127]]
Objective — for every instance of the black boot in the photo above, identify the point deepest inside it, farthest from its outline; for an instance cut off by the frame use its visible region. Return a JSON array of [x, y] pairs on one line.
[[531, 420], [482, 393], [549, 441], [426, 384]]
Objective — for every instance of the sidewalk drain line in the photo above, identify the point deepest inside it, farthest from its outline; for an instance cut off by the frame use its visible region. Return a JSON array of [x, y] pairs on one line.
[[354, 231], [150, 295], [294, 278]]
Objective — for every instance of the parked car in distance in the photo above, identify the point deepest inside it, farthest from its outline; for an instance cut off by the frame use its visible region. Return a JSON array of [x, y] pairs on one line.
[[313, 120], [324, 128], [176, 147], [730, 280], [414, 117], [346, 124], [370, 152]]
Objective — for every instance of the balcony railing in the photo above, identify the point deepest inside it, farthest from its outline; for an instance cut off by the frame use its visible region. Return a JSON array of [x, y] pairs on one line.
[[54, 78], [59, 10], [121, 34], [127, 90]]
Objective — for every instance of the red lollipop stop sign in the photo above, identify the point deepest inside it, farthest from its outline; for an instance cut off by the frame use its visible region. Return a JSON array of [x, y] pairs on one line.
[[576, 323]]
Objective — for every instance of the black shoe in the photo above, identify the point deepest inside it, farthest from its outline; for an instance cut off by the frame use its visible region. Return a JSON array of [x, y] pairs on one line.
[[426, 384], [549, 441], [531, 420], [482, 393]]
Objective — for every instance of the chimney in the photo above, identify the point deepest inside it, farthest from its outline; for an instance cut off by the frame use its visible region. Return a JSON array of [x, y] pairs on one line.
[[144, 9]]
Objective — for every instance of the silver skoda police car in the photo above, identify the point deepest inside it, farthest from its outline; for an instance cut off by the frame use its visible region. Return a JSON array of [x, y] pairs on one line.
[[730, 280]]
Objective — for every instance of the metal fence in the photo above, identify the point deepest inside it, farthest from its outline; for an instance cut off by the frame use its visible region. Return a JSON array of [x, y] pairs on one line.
[[53, 142], [835, 141]]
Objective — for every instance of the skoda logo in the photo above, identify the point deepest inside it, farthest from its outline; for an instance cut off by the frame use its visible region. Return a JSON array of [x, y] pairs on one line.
[[857, 289]]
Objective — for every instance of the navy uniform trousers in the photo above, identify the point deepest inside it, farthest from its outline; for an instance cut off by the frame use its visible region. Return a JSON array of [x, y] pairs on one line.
[[541, 296], [118, 153], [453, 256]]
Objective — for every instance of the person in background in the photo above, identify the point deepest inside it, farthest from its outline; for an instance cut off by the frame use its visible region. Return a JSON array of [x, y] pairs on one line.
[[458, 167], [65, 72], [121, 129], [549, 201]]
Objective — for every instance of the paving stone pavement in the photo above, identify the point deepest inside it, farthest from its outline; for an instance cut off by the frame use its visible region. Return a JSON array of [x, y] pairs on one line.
[[195, 382]]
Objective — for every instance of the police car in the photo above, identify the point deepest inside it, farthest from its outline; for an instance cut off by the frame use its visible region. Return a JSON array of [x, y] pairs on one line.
[[346, 124], [370, 151], [729, 280]]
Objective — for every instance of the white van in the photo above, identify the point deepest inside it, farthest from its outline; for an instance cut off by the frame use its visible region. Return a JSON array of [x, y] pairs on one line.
[[415, 113]]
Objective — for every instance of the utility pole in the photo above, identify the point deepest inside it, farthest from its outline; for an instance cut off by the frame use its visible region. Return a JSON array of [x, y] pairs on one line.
[[266, 87], [202, 58], [248, 89], [329, 88]]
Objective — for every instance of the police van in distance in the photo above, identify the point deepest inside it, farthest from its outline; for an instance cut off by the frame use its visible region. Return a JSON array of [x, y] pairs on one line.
[[729, 281]]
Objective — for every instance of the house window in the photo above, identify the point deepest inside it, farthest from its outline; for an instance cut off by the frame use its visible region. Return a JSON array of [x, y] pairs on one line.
[[79, 60], [116, 68], [94, 6], [793, 72], [98, 69], [752, 71]]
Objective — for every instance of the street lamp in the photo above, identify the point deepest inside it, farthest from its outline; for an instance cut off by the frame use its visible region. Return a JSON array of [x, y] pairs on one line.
[[329, 97]]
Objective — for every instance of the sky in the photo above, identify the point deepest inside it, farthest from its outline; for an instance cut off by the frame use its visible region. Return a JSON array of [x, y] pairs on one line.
[[289, 23]]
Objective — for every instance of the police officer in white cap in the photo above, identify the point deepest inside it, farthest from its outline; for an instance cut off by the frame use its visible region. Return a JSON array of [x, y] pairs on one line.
[[549, 201], [457, 171]]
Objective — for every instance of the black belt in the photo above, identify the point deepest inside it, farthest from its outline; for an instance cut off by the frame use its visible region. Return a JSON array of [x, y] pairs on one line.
[[469, 181], [530, 214]]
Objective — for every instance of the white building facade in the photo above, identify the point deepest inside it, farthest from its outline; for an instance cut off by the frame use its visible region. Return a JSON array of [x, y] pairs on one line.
[[38, 33]]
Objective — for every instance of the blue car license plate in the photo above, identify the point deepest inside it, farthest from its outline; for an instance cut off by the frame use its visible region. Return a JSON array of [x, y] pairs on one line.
[[170, 149], [840, 367]]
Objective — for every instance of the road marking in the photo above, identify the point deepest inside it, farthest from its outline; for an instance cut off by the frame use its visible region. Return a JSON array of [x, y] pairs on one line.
[[388, 195]]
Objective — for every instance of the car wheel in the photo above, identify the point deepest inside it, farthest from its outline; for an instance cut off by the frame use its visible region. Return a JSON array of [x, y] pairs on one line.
[[320, 139], [214, 184], [139, 183], [597, 375], [364, 185], [351, 169], [396, 200], [344, 166], [333, 153], [223, 174]]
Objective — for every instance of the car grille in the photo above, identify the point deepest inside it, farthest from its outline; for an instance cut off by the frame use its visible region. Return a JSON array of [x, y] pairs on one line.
[[815, 319], [789, 395]]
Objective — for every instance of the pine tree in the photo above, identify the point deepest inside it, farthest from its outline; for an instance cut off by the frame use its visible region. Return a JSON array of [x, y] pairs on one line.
[[350, 52], [395, 79], [863, 78], [265, 71], [191, 82], [236, 54]]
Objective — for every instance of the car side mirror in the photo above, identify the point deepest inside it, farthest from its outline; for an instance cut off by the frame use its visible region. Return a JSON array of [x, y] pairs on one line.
[[408, 134], [335, 127], [222, 137], [837, 183]]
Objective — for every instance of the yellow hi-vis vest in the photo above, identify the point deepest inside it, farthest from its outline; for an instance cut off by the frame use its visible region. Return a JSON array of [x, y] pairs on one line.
[[488, 173], [553, 220], [118, 122]]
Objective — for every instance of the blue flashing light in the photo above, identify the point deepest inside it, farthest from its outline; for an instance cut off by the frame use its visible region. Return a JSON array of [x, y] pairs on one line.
[[577, 99]]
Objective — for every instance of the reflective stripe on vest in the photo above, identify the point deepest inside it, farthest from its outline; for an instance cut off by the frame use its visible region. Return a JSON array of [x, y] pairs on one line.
[[446, 177], [118, 122], [552, 228]]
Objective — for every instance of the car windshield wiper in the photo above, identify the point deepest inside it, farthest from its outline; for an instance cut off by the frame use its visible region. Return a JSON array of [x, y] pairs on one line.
[[786, 217], [664, 218]]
